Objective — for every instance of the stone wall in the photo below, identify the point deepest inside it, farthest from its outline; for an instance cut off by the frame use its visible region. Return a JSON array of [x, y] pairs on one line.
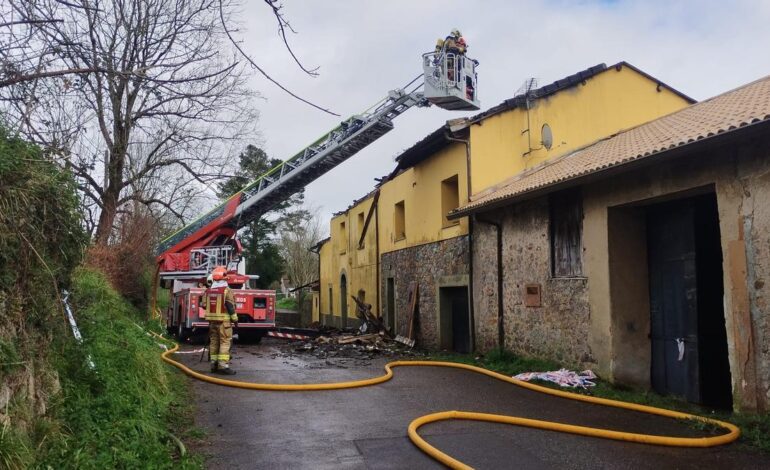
[[558, 328], [606, 327], [485, 285], [431, 265]]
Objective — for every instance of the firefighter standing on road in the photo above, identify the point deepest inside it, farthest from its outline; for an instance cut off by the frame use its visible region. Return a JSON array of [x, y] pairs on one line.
[[220, 313]]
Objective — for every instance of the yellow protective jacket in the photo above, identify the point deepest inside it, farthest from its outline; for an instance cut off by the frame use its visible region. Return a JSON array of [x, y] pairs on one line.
[[215, 301], [451, 45], [439, 45]]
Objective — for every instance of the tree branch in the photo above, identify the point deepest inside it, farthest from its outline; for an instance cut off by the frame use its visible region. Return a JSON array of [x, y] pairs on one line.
[[53, 73], [254, 64]]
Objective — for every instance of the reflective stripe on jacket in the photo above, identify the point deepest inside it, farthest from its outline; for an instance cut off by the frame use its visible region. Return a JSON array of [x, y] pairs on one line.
[[215, 300]]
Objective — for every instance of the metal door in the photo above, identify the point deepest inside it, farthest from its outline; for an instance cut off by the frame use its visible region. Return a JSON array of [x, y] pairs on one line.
[[673, 300], [461, 334]]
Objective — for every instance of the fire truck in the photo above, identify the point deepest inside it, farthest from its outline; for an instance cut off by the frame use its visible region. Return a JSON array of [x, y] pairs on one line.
[[255, 308], [186, 257]]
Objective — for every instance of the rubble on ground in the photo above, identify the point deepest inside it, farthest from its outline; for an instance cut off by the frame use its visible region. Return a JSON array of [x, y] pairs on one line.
[[370, 341], [345, 344]]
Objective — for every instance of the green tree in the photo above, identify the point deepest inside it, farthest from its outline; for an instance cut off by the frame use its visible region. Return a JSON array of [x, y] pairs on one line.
[[260, 247]]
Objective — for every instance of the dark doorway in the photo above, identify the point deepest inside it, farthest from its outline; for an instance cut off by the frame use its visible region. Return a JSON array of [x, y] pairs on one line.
[[344, 300], [390, 298], [688, 336], [455, 319]]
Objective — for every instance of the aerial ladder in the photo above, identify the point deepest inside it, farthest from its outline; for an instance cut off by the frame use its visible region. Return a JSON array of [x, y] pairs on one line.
[[448, 81]]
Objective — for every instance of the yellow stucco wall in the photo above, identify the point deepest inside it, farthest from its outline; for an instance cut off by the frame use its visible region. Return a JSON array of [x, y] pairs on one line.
[[341, 255], [316, 307], [603, 105], [327, 267], [420, 188]]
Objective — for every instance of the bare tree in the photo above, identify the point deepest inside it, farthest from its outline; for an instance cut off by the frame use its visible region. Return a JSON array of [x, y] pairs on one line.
[[158, 94], [296, 237]]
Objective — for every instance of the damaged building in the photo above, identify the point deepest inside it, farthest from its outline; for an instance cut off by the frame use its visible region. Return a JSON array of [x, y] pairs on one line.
[[602, 221], [643, 256]]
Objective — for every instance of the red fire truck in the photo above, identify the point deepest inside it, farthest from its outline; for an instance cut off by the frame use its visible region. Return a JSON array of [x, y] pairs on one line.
[[255, 309]]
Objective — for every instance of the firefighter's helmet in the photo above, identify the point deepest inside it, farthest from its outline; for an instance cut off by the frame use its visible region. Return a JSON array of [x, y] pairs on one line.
[[219, 273], [456, 33]]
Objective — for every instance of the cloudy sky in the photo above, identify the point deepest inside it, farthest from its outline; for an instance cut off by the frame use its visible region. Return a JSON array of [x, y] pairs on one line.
[[365, 48]]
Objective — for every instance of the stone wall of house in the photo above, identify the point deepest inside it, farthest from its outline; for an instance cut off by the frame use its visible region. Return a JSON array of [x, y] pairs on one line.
[[558, 328], [594, 328], [755, 208], [485, 285], [430, 265]]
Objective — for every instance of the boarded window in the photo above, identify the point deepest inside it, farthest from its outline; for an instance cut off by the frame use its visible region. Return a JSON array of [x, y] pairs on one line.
[[343, 238], [566, 233], [399, 221], [450, 200], [361, 220]]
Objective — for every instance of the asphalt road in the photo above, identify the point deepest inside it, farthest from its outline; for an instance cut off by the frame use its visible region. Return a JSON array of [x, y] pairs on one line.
[[366, 427]]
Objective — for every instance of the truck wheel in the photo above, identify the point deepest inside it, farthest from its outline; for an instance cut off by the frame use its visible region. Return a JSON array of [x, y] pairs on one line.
[[258, 336], [182, 333]]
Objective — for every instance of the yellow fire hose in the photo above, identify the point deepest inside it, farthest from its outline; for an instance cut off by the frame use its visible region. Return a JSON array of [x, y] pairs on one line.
[[730, 436]]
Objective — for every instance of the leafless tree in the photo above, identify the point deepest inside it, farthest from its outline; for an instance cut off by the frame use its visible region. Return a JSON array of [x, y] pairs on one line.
[[142, 99], [296, 237]]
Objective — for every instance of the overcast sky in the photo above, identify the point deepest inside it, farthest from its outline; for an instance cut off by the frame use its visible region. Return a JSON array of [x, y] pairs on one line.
[[365, 48]]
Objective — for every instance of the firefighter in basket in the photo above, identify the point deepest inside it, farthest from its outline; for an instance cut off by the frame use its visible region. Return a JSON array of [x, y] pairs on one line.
[[219, 303]]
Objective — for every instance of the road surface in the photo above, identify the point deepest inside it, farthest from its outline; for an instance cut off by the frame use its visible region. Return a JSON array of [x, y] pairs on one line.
[[365, 428]]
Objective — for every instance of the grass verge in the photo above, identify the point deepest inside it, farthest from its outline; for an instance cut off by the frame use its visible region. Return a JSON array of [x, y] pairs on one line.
[[126, 411], [288, 303], [755, 429]]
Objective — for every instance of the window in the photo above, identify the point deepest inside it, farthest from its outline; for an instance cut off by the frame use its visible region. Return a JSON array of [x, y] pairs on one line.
[[361, 220], [566, 233], [450, 200], [343, 238], [399, 221]]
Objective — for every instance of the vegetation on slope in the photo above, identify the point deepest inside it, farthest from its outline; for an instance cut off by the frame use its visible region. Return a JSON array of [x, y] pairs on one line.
[[55, 410]]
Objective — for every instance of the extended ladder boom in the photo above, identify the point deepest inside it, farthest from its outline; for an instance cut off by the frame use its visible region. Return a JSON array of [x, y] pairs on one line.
[[278, 184], [450, 83]]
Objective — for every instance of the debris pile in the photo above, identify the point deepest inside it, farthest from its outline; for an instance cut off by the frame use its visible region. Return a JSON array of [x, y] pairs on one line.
[[369, 322], [342, 343], [371, 340]]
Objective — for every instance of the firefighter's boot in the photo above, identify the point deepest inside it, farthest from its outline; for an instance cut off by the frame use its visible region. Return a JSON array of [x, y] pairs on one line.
[[225, 371], [214, 366]]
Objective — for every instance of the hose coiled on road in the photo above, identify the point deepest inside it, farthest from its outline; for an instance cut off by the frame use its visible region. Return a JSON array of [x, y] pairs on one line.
[[711, 441]]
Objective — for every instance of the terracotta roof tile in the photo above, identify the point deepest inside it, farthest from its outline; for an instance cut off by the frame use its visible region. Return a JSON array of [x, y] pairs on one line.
[[743, 106]]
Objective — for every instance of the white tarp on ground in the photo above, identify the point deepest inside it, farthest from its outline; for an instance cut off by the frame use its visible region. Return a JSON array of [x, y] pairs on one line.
[[562, 377]]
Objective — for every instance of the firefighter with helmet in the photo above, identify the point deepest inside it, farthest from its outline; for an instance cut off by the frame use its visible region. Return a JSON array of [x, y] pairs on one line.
[[219, 302]]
